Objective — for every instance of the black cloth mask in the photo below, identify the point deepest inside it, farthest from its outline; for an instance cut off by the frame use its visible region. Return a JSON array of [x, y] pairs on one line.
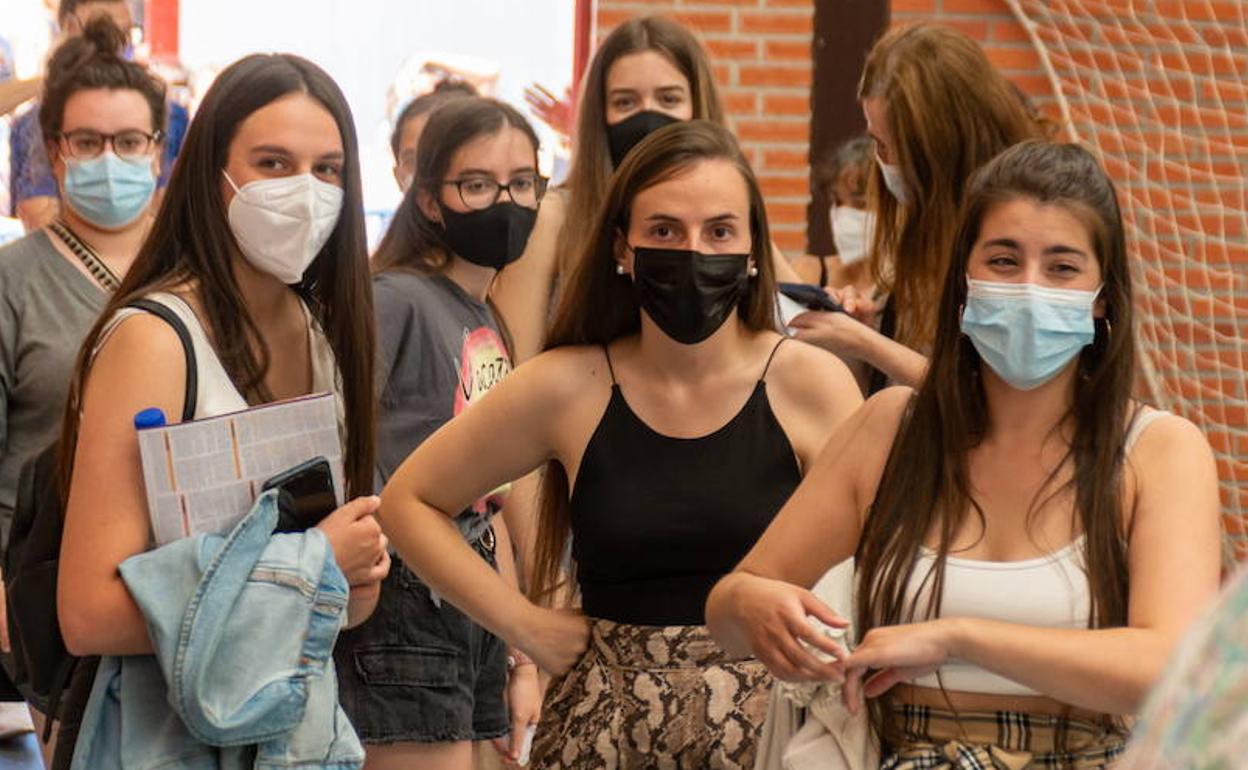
[[689, 294], [626, 134], [492, 237]]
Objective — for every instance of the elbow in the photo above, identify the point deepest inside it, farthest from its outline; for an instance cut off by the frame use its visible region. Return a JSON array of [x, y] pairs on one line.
[[79, 628]]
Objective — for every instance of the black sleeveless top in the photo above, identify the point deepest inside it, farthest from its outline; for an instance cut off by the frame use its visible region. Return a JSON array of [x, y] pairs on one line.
[[657, 520]]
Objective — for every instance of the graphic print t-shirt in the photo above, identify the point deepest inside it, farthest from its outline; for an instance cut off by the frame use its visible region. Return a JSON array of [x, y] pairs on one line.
[[439, 351]]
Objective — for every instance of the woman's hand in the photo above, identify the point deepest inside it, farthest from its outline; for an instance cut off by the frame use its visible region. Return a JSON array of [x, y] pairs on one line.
[[775, 618], [896, 654], [858, 304], [555, 639], [838, 333], [359, 546], [524, 704]]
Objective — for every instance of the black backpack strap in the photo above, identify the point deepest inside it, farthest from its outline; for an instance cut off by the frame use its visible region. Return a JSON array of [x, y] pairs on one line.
[[188, 347]]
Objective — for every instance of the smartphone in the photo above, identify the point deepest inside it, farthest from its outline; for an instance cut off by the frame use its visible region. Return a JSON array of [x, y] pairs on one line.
[[810, 296], [306, 495]]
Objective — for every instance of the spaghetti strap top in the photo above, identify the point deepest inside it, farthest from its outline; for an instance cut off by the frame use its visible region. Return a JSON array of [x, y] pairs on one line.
[[657, 520]]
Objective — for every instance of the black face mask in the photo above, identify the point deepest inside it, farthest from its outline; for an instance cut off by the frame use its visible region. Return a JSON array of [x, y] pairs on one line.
[[491, 237], [626, 134], [689, 294]]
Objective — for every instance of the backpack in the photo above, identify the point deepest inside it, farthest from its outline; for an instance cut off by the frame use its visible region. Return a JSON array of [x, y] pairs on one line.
[[39, 665]]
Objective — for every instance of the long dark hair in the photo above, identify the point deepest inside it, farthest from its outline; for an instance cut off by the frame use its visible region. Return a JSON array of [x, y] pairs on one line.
[[949, 112], [191, 241], [598, 305], [591, 158], [925, 486], [414, 242], [93, 60]]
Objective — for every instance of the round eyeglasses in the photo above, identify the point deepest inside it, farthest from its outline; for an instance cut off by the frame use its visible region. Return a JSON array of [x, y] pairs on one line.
[[481, 192], [87, 143]]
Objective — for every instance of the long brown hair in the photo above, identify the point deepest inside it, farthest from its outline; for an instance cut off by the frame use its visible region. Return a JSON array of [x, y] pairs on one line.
[[949, 112], [591, 157], [191, 241], [925, 487], [414, 242], [598, 305]]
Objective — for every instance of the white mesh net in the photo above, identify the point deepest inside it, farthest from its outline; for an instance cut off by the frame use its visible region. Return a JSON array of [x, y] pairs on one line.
[[1159, 90]]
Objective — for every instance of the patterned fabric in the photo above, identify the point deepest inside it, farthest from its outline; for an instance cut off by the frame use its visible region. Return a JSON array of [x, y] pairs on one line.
[[1197, 717], [1002, 740], [653, 697]]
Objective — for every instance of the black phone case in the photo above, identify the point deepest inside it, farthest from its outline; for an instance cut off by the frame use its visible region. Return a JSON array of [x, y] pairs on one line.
[[811, 296], [306, 495]]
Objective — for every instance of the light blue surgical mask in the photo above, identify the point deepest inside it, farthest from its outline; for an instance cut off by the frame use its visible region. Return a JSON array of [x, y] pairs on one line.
[[1027, 333], [108, 191]]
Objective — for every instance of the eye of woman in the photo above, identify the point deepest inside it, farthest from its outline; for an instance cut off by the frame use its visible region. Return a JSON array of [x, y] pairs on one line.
[[522, 183], [272, 163], [722, 232], [623, 103], [474, 184], [662, 232], [328, 171]]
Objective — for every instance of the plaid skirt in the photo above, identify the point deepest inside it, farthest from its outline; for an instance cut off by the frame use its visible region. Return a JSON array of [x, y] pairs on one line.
[[1002, 740], [653, 697]]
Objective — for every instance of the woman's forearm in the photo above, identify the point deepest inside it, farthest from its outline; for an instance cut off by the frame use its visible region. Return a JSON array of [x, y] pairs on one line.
[[1109, 670], [431, 546], [902, 365]]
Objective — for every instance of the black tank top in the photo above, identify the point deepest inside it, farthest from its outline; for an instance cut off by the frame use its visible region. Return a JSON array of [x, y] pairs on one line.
[[657, 520]]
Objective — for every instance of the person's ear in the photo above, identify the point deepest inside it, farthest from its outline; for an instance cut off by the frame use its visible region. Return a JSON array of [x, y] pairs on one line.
[[1098, 307], [428, 206], [623, 254]]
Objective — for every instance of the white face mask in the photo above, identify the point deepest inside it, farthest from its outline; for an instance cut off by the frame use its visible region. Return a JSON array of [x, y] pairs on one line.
[[281, 224], [852, 231], [894, 180]]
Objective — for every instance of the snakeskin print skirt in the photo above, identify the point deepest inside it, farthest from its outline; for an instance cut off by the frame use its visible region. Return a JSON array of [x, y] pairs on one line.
[[653, 697]]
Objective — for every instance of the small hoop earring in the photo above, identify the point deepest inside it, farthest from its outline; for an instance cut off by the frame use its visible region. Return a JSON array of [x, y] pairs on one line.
[[619, 269]]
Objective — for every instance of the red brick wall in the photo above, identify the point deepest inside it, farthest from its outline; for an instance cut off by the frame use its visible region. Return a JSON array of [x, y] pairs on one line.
[[1159, 89], [761, 50]]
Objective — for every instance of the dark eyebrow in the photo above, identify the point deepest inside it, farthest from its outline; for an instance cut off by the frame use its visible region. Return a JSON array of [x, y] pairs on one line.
[[271, 148], [1061, 248], [662, 218], [1008, 243], [335, 155], [673, 87], [523, 170], [615, 91]]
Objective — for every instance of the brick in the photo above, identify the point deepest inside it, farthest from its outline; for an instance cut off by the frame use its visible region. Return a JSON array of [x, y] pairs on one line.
[[975, 29], [713, 3], [775, 75], [785, 104], [732, 48], [778, 23], [795, 159], [1009, 31], [781, 213], [774, 131], [784, 186], [975, 6], [738, 102], [722, 73], [1013, 58], [791, 241], [787, 50], [705, 21], [789, 3], [914, 6]]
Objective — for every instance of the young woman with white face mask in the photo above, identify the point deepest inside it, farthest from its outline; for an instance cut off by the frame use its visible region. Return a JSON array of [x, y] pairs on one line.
[[672, 424], [1030, 543], [259, 249], [104, 117]]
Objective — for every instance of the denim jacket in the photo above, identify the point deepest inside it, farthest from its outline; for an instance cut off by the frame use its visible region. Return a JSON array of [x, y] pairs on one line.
[[243, 627]]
